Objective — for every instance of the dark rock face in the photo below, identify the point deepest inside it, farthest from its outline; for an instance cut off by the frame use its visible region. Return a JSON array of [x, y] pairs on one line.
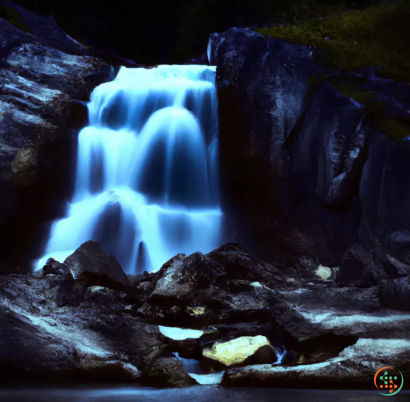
[[279, 147], [385, 196], [38, 85], [308, 180], [91, 262]]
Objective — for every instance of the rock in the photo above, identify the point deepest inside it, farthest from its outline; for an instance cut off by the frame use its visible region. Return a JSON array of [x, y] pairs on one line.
[[44, 28], [291, 358], [283, 141], [395, 294], [241, 266], [242, 351], [360, 265], [90, 262], [353, 368], [89, 340], [182, 276], [168, 372], [38, 83], [55, 268], [385, 220], [397, 268]]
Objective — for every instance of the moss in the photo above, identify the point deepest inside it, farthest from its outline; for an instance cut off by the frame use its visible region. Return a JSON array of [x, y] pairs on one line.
[[393, 128], [14, 17], [374, 37], [358, 94]]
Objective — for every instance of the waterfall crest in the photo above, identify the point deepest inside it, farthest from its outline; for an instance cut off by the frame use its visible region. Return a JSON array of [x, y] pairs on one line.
[[146, 180]]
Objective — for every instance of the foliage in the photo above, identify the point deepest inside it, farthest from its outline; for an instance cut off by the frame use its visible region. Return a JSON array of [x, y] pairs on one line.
[[374, 37]]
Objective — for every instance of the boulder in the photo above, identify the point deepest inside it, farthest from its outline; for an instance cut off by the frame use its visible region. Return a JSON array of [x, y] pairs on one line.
[[182, 276], [361, 267], [88, 338], [167, 372], [91, 263], [242, 351]]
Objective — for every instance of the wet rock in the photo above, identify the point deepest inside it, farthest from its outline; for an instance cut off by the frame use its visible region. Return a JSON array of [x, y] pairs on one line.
[[242, 351], [397, 268], [91, 263], [241, 266], [183, 275], [385, 220], [167, 372], [353, 368], [395, 294], [360, 265], [291, 358], [38, 82]]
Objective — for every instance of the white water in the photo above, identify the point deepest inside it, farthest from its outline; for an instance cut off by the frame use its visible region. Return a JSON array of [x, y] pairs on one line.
[[146, 185]]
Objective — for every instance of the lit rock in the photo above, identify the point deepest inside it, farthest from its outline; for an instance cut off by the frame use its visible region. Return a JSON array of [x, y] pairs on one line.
[[324, 273], [242, 350], [196, 310], [180, 334]]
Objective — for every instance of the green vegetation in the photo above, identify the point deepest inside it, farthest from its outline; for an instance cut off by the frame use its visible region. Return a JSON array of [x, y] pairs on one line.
[[14, 17], [375, 37], [394, 129]]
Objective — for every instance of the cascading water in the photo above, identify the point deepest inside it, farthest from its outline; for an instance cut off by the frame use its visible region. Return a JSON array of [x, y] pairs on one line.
[[146, 185]]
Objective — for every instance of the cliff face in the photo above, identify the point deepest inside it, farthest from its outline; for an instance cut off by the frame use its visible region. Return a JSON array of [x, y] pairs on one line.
[[40, 100], [301, 161]]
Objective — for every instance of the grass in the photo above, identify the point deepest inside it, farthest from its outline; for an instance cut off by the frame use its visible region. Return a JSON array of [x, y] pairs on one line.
[[375, 37]]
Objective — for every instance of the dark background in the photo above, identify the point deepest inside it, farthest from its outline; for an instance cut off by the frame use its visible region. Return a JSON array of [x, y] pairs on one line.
[[171, 31]]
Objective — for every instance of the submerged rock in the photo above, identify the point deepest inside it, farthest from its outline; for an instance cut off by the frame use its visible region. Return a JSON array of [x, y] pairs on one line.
[[242, 351]]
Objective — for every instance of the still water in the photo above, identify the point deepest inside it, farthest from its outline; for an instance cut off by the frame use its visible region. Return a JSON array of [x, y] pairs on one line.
[[196, 394]]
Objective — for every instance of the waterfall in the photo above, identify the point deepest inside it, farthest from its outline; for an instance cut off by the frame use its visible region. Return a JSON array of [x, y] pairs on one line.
[[146, 181]]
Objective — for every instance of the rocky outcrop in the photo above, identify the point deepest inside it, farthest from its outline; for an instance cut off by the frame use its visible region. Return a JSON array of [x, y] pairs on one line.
[[283, 141], [308, 178], [39, 84]]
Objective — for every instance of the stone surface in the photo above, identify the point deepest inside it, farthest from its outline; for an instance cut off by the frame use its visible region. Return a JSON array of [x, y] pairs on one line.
[[241, 351], [91, 263], [38, 82], [183, 275], [58, 326]]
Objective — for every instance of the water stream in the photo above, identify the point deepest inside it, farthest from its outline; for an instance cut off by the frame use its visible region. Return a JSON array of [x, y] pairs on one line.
[[146, 181]]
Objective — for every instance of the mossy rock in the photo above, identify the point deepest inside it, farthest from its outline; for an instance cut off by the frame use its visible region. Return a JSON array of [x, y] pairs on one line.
[[374, 37]]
